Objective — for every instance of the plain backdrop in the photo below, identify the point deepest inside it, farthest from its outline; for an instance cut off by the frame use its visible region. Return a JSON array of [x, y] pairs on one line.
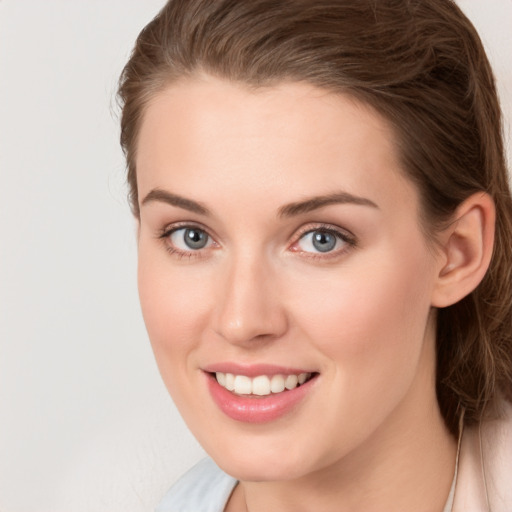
[[85, 422]]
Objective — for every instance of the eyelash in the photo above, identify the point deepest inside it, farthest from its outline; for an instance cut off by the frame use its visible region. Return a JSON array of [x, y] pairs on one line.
[[166, 232], [342, 235]]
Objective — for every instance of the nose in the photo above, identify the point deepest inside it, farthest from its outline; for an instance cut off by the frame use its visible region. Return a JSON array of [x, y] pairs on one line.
[[249, 307]]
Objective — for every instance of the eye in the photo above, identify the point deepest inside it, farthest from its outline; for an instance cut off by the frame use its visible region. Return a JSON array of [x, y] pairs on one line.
[[323, 241], [189, 239]]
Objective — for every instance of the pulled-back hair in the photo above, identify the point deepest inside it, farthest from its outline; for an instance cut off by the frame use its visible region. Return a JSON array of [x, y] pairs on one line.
[[422, 66]]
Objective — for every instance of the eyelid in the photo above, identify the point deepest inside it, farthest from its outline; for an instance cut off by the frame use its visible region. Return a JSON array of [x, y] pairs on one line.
[[165, 233], [175, 226], [321, 226], [343, 234]]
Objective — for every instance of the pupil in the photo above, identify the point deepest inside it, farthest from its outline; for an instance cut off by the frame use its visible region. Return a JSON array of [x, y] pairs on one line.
[[195, 239], [323, 241]]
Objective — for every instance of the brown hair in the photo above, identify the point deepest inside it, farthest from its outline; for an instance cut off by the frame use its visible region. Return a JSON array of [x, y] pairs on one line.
[[421, 64]]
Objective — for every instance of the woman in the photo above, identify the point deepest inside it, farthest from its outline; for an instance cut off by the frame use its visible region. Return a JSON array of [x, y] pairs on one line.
[[324, 228]]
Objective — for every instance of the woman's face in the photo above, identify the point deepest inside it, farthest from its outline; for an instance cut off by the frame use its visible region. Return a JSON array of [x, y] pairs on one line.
[[280, 243]]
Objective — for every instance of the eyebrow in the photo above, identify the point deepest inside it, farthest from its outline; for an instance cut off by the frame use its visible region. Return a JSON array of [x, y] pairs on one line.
[[289, 210], [163, 196], [314, 203]]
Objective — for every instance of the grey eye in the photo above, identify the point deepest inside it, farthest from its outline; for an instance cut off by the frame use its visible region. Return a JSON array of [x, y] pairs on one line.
[[186, 239], [319, 241], [323, 241]]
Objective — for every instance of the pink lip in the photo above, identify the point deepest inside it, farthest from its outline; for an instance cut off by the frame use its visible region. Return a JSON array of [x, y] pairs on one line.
[[253, 370], [251, 409]]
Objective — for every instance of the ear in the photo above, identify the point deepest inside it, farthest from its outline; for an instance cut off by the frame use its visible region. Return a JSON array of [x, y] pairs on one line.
[[466, 250]]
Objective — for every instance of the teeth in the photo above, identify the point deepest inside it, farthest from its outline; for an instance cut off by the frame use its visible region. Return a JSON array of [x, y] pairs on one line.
[[221, 378], [243, 385], [277, 384], [291, 382], [261, 385], [230, 382]]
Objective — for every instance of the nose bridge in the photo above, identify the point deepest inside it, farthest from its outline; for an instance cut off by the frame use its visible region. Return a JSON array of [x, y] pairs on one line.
[[248, 306]]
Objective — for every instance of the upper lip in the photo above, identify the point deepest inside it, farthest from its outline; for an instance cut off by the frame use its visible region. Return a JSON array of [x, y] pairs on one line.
[[253, 370]]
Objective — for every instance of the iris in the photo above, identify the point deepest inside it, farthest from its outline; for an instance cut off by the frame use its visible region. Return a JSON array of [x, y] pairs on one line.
[[195, 238], [324, 241]]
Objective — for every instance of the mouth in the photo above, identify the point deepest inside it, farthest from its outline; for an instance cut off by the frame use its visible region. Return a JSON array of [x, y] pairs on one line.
[[261, 385], [260, 397]]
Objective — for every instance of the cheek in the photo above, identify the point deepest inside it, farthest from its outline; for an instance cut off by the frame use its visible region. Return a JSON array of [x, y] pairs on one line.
[[172, 306], [369, 325], [370, 316]]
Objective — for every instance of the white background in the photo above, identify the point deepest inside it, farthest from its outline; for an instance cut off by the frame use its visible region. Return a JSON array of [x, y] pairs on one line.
[[85, 423]]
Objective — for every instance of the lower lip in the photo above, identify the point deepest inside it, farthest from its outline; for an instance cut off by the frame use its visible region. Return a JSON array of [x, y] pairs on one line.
[[252, 409]]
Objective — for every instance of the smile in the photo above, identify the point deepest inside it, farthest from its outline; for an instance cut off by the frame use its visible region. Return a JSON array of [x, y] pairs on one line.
[[261, 385], [259, 394]]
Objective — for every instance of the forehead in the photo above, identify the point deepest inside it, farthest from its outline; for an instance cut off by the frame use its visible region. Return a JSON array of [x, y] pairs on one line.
[[206, 135]]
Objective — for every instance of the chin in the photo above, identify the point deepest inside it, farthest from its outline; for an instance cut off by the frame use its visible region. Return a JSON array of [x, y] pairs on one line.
[[260, 464], [260, 471]]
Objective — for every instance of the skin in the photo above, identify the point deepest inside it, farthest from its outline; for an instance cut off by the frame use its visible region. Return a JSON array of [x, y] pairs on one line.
[[369, 435]]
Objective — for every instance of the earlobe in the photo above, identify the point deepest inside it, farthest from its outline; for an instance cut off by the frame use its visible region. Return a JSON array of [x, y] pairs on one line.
[[466, 250]]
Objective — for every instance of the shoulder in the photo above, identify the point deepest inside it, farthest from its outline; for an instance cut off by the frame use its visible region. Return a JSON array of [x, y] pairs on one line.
[[204, 488], [485, 470], [497, 459]]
